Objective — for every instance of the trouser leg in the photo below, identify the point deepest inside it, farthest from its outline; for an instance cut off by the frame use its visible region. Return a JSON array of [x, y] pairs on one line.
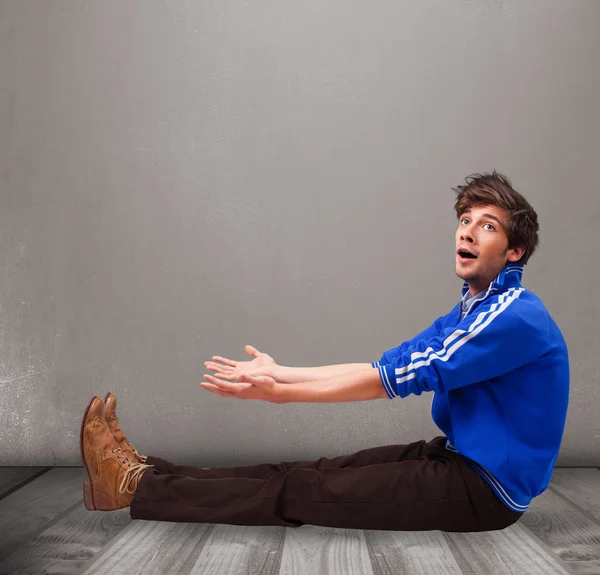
[[420, 486], [370, 456]]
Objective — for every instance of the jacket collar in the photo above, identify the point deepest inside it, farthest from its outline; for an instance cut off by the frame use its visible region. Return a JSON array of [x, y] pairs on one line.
[[509, 277]]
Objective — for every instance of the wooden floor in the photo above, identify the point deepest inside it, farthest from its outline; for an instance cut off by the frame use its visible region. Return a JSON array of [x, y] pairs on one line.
[[44, 528]]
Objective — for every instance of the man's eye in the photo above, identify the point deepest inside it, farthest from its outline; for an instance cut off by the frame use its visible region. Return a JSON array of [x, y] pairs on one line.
[[464, 220], [491, 226]]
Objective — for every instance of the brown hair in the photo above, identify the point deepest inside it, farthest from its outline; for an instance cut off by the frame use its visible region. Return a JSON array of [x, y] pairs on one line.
[[495, 189]]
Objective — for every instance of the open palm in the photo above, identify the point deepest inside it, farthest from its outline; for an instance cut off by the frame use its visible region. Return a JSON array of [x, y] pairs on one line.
[[230, 369]]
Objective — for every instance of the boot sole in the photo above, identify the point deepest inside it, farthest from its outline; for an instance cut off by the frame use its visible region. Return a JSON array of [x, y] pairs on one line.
[[88, 498]]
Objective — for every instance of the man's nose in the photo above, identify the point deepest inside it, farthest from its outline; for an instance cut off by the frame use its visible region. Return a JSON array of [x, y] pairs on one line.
[[466, 236]]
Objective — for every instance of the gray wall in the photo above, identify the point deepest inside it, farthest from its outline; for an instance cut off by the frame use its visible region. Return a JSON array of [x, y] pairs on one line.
[[181, 178]]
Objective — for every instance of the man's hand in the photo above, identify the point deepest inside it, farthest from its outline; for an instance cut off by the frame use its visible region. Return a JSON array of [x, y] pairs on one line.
[[231, 370], [263, 387]]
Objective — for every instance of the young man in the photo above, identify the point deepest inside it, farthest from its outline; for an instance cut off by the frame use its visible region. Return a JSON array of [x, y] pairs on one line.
[[497, 365]]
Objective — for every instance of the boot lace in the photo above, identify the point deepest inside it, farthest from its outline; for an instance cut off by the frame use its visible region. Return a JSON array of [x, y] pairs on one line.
[[132, 473], [143, 458]]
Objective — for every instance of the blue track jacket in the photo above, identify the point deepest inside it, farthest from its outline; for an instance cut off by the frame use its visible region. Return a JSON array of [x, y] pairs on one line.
[[500, 378]]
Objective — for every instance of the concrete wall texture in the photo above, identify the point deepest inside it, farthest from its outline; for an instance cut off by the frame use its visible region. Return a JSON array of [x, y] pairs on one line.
[[178, 179]]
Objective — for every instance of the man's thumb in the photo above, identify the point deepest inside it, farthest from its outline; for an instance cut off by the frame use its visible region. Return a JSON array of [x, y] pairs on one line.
[[251, 350]]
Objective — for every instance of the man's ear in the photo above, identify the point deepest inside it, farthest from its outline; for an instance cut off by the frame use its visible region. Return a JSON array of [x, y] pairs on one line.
[[515, 254]]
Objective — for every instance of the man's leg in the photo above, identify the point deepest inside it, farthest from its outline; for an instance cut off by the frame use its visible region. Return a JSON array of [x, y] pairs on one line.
[[421, 486], [370, 456]]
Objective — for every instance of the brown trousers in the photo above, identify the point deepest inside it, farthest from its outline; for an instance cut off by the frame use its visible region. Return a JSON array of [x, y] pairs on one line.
[[415, 487]]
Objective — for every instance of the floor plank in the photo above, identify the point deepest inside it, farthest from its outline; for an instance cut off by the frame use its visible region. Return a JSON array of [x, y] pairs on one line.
[[151, 547], [13, 477], [68, 543], [571, 532], [325, 550], [581, 486], [237, 550], [418, 553], [26, 512], [155, 548], [511, 551]]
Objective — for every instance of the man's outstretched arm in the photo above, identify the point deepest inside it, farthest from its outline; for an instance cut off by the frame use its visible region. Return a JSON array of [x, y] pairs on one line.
[[357, 385], [361, 385], [264, 364], [296, 375]]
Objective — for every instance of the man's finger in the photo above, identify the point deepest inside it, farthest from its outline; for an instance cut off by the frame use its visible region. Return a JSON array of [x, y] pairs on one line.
[[234, 388], [212, 365], [216, 390], [227, 376], [251, 380], [220, 372], [225, 360]]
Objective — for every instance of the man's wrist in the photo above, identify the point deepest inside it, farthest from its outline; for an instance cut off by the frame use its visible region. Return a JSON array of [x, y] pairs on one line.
[[279, 393], [277, 372]]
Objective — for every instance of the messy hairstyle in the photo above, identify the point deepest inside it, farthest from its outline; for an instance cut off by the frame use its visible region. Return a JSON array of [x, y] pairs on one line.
[[496, 190]]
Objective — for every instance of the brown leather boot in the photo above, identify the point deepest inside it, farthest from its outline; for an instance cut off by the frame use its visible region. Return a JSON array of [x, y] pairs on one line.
[[110, 414], [112, 478]]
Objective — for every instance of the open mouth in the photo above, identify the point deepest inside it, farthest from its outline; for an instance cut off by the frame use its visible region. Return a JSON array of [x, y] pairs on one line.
[[463, 254]]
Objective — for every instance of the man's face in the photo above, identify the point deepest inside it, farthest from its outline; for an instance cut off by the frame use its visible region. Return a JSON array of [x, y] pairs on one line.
[[481, 232]]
